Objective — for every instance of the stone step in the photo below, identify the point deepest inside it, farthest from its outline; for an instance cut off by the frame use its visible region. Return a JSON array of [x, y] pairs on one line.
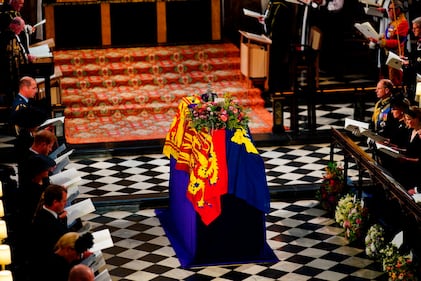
[[158, 68], [200, 52], [117, 127], [99, 96], [149, 79], [115, 94], [131, 108]]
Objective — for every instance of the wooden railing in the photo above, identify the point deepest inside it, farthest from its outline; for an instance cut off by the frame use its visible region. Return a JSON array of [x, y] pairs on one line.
[[379, 176], [397, 208]]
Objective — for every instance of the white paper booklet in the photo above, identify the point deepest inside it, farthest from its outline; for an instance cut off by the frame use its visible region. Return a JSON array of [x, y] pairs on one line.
[[102, 240], [62, 161], [41, 51], [55, 153], [417, 197], [66, 178], [351, 124], [99, 263], [60, 165], [367, 30], [103, 276], [95, 261], [377, 3], [40, 23], [78, 210], [398, 239], [393, 60], [253, 14], [260, 17], [373, 11], [260, 38], [72, 193], [300, 2], [388, 150], [418, 93], [62, 157], [52, 121]]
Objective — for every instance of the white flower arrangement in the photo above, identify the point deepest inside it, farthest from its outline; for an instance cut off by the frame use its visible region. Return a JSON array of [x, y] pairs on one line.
[[374, 241], [351, 215], [343, 208]]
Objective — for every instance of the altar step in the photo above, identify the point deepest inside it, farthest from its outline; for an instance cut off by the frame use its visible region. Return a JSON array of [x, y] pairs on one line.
[[147, 98], [114, 95]]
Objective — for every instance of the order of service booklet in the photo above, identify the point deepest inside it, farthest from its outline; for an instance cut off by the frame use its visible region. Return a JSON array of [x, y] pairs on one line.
[[367, 30]]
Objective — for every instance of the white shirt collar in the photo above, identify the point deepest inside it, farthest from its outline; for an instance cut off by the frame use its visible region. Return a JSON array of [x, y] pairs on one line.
[[25, 98], [50, 211]]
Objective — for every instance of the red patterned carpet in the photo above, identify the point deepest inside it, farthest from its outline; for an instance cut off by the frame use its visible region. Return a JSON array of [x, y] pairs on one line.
[[115, 95]]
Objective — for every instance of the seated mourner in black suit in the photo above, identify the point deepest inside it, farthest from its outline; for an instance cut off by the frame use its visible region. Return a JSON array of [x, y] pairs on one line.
[[44, 141], [49, 223]]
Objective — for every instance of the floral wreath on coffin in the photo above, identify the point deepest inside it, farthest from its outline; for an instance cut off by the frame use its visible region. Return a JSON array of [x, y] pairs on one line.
[[212, 113]]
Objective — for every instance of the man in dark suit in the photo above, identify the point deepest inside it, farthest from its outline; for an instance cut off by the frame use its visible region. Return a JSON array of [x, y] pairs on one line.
[[49, 223], [44, 141]]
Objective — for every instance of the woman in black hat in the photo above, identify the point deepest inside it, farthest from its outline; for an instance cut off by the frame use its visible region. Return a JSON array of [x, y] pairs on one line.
[[396, 131], [37, 169], [410, 162], [69, 250], [29, 194]]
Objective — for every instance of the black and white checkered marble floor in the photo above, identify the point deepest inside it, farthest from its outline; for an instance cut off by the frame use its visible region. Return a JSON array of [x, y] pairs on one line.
[[287, 167], [306, 240]]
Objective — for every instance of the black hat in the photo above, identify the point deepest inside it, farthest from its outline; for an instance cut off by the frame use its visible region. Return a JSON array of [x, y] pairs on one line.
[[37, 164], [399, 101], [84, 242], [414, 112]]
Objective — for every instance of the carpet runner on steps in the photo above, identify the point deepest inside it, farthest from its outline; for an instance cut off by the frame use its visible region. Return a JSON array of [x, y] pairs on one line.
[[128, 94]]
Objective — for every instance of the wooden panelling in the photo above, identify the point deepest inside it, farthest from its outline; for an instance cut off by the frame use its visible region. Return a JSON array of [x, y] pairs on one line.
[[170, 24]]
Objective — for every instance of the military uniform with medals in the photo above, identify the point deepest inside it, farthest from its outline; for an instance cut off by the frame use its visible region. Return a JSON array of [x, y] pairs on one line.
[[25, 118], [382, 113]]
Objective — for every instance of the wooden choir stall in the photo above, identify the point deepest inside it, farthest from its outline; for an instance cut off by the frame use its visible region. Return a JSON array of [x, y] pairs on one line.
[[218, 195], [390, 204]]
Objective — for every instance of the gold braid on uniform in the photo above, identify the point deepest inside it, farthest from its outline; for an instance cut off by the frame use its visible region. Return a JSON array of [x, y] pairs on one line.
[[378, 108]]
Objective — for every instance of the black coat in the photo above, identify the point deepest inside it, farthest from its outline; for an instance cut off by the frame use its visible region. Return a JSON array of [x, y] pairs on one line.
[[46, 231], [409, 171], [57, 269]]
